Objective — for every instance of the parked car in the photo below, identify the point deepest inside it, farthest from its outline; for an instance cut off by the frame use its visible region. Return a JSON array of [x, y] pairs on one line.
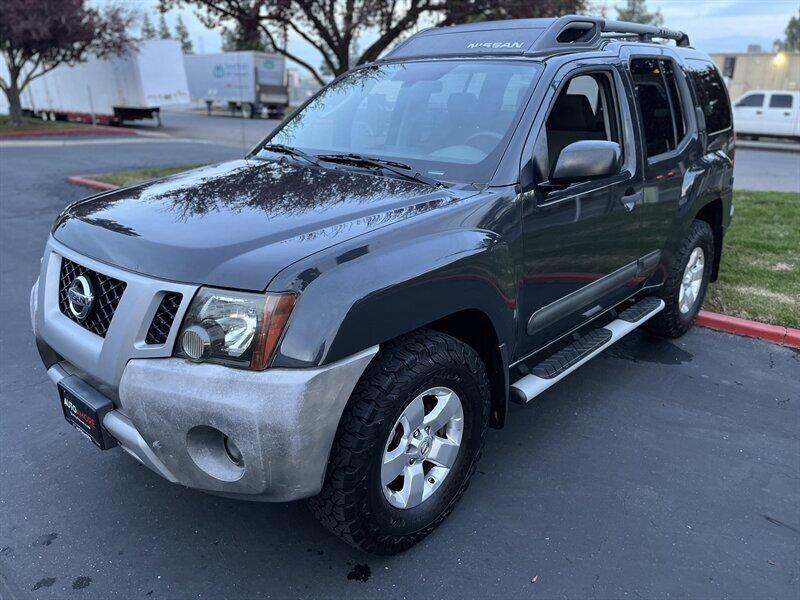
[[341, 315], [772, 113], [112, 90], [248, 83]]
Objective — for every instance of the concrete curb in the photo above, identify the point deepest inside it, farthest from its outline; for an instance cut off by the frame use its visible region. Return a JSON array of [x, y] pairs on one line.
[[776, 146], [91, 183], [69, 131], [777, 334]]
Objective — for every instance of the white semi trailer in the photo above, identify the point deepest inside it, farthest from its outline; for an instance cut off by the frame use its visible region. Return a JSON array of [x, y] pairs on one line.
[[250, 83], [112, 90]]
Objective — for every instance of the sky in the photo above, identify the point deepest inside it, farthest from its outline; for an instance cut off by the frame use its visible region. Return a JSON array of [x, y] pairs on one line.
[[712, 25]]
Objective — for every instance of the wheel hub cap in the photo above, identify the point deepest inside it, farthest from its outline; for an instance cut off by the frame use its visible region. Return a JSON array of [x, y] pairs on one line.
[[422, 447], [692, 280]]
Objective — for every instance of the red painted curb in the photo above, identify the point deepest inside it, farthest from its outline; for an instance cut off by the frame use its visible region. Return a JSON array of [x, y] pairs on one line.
[[91, 183], [785, 336], [68, 131]]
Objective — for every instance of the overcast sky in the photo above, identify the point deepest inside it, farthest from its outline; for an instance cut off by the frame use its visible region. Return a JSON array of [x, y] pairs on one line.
[[712, 25]]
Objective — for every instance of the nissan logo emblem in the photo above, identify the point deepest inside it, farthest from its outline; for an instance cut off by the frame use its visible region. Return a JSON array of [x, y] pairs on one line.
[[81, 297]]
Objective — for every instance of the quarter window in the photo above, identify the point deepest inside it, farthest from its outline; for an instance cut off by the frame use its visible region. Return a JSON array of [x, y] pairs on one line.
[[780, 101], [752, 101], [660, 104], [712, 96]]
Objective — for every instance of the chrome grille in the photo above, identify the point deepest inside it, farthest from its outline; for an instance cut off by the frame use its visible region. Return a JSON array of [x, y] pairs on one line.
[[107, 294], [163, 319]]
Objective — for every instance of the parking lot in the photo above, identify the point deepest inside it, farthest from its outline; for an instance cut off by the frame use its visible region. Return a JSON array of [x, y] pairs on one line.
[[662, 468]]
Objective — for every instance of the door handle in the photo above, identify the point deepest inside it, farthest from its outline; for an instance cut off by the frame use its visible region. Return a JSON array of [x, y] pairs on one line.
[[759, 112], [630, 199], [787, 114]]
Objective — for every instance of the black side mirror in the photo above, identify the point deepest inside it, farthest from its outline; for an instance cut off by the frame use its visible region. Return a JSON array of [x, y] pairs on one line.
[[586, 160]]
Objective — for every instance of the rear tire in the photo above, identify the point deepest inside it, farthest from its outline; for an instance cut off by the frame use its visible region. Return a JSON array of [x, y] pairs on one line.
[[682, 305], [357, 502]]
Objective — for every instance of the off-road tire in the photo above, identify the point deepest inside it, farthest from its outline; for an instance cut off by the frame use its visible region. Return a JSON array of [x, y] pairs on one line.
[[352, 504], [671, 322]]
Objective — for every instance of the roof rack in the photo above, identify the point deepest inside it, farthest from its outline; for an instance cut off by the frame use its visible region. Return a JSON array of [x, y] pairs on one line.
[[579, 31], [645, 33]]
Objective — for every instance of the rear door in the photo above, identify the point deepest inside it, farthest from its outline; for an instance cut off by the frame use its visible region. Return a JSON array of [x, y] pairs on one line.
[[581, 241], [671, 145], [748, 113], [779, 114]]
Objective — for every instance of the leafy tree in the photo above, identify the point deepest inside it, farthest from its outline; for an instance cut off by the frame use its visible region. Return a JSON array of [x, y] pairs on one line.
[[636, 11], [163, 29], [791, 40], [148, 31], [182, 33], [36, 36], [334, 27]]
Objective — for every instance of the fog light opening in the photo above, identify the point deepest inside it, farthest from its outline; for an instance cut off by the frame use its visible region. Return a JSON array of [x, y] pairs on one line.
[[233, 452]]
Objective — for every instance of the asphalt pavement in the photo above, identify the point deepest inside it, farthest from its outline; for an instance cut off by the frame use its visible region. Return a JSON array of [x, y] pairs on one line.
[[660, 469], [220, 127]]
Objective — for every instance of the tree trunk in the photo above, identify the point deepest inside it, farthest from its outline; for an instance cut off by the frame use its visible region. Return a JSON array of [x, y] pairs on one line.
[[14, 102]]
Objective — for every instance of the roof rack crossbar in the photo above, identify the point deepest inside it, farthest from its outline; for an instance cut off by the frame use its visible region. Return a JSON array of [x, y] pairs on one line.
[[646, 32]]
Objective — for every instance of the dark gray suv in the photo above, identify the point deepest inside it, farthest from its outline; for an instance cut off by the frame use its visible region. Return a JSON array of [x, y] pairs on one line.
[[341, 315]]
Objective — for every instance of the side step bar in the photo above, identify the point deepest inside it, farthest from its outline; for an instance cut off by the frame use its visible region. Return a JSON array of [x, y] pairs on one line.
[[566, 360]]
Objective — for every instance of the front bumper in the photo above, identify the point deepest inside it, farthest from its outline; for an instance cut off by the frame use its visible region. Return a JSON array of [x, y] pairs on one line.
[[174, 416]]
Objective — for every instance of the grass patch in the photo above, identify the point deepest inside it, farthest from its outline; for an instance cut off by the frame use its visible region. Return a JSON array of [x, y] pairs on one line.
[[29, 124], [759, 276], [134, 176]]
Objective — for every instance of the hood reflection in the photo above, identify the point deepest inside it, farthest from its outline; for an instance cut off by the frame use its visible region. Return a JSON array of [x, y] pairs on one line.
[[204, 225]]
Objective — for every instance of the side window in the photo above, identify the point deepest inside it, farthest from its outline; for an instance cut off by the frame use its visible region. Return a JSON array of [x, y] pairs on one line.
[[780, 101], [653, 96], [585, 109], [752, 101], [712, 96]]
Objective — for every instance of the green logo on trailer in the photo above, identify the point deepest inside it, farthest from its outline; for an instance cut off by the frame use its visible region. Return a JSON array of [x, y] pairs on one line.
[[219, 71]]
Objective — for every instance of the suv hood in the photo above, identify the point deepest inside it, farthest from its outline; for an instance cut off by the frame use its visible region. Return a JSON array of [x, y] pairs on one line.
[[239, 223]]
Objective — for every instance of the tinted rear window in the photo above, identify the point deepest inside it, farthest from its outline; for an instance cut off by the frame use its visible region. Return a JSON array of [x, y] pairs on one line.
[[780, 101], [711, 94]]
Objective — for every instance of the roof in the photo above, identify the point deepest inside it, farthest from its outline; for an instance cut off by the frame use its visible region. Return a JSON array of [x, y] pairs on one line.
[[525, 37]]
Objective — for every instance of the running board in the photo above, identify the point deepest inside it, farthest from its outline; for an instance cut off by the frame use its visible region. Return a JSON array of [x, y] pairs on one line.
[[567, 360]]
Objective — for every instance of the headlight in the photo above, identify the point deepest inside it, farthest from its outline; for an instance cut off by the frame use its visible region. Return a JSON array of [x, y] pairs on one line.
[[239, 329]]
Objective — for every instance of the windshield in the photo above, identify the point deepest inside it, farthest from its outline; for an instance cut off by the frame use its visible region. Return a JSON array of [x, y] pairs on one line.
[[447, 119]]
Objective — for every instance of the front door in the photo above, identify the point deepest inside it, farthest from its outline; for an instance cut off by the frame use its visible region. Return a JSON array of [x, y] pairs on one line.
[[581, 241], [749, 113]]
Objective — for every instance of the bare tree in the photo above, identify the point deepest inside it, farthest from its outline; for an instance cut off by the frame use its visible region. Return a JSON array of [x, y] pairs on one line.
[[335, 27], [36, 36]]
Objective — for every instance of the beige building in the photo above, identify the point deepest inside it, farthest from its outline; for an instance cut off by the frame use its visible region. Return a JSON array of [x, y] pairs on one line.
[[745, 71]]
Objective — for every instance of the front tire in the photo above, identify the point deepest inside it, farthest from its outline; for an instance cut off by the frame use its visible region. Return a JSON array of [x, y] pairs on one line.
[[407, 444], [687, 282]]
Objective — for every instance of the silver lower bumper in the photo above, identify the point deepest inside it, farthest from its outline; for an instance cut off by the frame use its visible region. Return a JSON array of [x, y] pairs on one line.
[[174, 417]]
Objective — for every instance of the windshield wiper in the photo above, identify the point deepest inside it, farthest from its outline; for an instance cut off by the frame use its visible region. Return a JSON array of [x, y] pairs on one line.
[[283, 149], [398, 168]]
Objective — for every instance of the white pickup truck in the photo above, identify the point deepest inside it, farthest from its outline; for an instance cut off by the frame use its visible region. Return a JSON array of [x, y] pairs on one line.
[[773, 113]]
